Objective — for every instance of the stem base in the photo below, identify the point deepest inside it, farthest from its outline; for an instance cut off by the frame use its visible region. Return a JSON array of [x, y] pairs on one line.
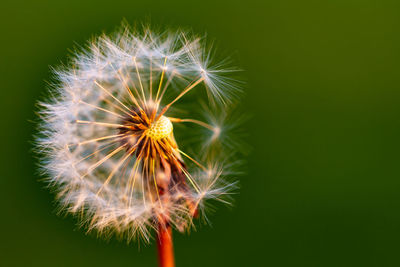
[[165, 246]]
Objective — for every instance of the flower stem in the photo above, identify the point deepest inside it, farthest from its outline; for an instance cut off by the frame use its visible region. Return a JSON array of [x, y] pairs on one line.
[[165, 246]]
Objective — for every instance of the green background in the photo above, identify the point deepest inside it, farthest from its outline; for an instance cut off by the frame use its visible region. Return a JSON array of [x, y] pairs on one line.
[[322, 84]]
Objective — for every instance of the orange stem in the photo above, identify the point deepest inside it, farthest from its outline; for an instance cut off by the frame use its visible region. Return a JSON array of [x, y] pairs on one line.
[[165, 246]]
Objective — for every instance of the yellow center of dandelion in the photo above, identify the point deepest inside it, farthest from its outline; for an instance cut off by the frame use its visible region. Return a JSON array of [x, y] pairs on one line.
[[160, 129]]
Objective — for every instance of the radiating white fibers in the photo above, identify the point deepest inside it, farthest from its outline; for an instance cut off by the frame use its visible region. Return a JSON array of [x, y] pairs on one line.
[[104, 149]]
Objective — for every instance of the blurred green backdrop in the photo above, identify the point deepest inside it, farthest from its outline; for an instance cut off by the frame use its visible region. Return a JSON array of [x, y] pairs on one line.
[[322, 187]]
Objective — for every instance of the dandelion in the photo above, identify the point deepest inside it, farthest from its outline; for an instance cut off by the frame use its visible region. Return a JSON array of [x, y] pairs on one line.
[[107, 135]]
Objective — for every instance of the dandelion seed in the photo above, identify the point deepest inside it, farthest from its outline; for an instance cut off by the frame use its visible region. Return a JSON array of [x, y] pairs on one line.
[[108, 138]]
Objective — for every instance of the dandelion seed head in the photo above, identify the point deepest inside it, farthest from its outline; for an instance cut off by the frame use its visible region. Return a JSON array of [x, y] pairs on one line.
[[107, 139]]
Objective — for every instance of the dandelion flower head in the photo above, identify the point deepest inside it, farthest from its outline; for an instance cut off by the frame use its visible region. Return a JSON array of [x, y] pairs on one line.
[[107, 135]]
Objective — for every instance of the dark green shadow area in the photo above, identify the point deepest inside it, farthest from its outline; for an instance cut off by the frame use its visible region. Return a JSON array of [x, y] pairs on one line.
[[323, 86]]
